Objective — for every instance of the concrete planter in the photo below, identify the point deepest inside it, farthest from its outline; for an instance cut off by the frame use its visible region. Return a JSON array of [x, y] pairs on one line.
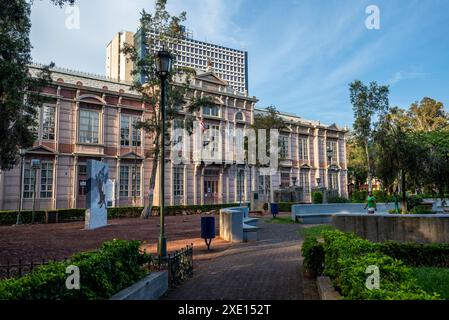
[[152, 287]]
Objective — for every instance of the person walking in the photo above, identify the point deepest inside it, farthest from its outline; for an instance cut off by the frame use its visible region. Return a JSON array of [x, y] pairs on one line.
[[371, 203]]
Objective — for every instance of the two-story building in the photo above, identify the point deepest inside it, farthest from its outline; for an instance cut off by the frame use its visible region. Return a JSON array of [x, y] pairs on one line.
[[92, 117]]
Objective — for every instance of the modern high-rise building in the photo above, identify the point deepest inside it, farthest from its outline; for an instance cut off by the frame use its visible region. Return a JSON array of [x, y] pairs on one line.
[[229, 64], [117, 68]]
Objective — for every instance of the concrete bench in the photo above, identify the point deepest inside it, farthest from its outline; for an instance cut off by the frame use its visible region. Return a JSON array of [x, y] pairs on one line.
[[237, 226], [322, 213]]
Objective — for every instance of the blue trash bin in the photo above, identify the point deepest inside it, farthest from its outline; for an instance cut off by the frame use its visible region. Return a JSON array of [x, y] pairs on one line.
[[274, 209], [208, 230]]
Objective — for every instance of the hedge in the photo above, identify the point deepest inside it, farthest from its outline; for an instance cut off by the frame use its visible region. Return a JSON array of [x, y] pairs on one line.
[[71, 215], [10, 217], [417, 255], [345, 257], [173, 210], [103, 273]]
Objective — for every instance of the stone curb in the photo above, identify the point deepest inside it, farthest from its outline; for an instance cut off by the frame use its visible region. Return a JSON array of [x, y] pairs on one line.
[[326, 290]]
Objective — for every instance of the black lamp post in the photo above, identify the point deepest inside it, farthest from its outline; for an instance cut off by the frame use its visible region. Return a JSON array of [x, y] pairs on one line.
[[164, 62]]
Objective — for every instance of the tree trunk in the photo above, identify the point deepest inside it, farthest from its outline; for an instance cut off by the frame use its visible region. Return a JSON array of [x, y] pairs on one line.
[[146, 213], [404, 193], [370, 182]]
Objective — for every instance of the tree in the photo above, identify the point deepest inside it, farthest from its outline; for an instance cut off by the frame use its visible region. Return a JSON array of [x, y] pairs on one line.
[[357, 169], [436, 165], [428, 115], [398, 153], [370, 104], [161, 26], [19, 93]]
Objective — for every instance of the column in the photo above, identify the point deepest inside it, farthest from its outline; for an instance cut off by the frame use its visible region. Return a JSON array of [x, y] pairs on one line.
[[55, 182], [75, 181]]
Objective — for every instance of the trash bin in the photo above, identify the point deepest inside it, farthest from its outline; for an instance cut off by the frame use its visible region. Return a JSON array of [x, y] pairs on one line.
[[274, 209], [208, 230]]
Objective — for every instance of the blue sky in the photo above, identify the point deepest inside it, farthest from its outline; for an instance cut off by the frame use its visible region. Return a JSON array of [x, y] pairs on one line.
[[302, 53]]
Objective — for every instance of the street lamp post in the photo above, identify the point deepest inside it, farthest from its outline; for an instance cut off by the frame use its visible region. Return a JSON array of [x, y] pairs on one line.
[[19, 217], [163, 67]]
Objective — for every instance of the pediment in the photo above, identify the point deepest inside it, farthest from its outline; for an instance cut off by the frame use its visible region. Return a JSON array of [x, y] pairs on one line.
[[306, 166], [41, 149], [211, 77], [333, 126], [131, 156]]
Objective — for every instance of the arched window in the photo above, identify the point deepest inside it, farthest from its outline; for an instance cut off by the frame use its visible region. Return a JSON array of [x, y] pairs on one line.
[[239, 116]]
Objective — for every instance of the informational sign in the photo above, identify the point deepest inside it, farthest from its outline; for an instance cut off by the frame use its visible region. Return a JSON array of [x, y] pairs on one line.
[[96, 213]]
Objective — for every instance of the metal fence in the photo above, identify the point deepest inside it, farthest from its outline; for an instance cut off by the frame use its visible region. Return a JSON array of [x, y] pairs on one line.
[[178, 264], [21, 268]]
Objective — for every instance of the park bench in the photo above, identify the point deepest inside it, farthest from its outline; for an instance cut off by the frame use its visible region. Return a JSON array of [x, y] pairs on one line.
[[237, 226]]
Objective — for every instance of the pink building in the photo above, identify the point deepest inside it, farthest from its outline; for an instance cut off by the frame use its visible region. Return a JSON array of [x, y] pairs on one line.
[[91, 117]]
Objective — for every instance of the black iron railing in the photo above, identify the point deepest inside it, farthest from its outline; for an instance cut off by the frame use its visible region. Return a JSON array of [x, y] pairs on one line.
[[178, 264], [21, 268]]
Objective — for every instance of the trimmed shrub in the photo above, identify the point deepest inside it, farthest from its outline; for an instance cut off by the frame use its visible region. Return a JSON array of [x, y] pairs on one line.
[[124, 212], [70, 215], [193, 209], [337, 199], [10, 217], [417, 255], [117, 265], [317, 197], [346, 259]]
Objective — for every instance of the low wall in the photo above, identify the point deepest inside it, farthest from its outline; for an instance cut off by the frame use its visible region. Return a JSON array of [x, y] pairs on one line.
[[432, 228], [151, 287], [336, 208]]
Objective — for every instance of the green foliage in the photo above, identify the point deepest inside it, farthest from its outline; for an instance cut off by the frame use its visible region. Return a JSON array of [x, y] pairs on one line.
[[313, 253], [417, 255], [192, 209], [337, 199], [8, 218], [382, 196], [117, 265], [356, 157], [435, 280], [67, 215], [316, 231], [369, 102], [124, 212], [420, 209], [17, 114], [346, 259], [279, 220], [359, 196], [317, 197]]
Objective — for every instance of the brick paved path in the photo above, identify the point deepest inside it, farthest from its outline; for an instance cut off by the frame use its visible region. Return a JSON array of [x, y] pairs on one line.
[[269, 269]]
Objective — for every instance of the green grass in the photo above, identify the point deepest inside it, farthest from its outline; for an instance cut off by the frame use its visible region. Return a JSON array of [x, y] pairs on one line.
[[314, 231], [279, 220], [433, 280]]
